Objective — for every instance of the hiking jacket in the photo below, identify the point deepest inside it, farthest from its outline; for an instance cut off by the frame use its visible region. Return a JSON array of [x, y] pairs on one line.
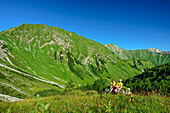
[[120, 84], [113, 83]]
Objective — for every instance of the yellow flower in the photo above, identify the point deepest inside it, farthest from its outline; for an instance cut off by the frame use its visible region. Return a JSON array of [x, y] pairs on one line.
[[106, 110]]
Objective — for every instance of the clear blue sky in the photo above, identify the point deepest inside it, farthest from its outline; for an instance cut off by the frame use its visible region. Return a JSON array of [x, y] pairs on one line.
[[129, 24]]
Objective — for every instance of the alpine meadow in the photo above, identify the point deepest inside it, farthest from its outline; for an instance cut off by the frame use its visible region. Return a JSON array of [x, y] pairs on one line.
[[49, 69]]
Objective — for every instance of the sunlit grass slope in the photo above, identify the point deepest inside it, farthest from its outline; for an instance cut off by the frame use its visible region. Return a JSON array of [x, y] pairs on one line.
[[89, 103], [50, 55]]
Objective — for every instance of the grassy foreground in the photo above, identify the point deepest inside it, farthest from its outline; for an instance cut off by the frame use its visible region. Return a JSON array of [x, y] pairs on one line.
[[89, 102]]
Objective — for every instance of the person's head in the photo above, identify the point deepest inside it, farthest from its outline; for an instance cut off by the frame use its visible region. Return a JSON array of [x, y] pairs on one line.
[[120, 80], [112, 80]]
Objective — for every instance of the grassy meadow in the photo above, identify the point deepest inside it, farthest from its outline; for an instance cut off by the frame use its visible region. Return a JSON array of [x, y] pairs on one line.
[[89, 102]]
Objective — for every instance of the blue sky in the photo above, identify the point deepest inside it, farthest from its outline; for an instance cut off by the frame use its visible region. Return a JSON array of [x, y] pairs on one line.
[[129, 24]]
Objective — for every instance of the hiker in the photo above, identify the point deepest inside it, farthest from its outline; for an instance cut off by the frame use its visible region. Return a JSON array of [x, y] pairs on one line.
[[112, 85], [120, 85]]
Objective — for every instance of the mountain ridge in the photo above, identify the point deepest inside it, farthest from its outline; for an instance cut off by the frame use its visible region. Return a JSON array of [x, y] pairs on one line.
[[154, 50], [156, 56], [55, 55]]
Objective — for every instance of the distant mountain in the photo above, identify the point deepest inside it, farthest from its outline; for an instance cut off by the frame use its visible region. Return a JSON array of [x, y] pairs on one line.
[[156, 56], [39, 57], [155, 50]]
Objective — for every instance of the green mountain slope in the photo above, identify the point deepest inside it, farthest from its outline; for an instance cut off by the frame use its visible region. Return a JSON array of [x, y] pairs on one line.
[[154, 55], [156, 79], [53, 56], [20, 85]]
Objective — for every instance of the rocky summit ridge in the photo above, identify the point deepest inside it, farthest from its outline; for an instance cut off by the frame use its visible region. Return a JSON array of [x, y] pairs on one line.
[[155, 50]]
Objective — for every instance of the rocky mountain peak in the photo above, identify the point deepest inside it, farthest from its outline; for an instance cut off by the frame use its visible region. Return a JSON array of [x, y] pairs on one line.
[[155, 50]]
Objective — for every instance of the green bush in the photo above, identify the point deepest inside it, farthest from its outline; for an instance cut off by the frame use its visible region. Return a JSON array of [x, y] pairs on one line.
[[154, 80], [101, 84]]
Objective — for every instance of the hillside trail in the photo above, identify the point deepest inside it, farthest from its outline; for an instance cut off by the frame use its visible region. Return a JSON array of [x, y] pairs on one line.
[[9, 98], [50, 82]]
